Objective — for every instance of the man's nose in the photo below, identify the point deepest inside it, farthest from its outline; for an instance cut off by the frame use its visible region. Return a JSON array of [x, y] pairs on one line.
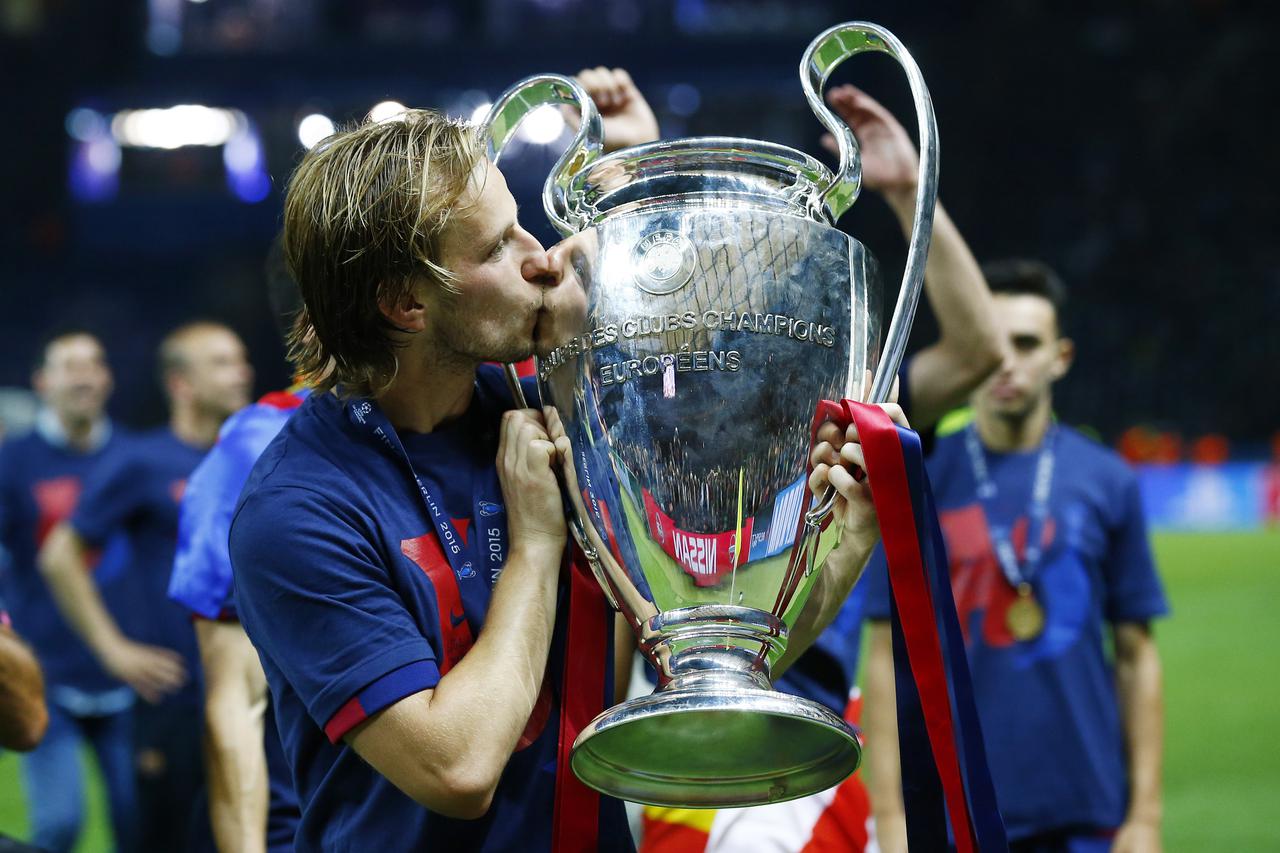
[[543, 268]]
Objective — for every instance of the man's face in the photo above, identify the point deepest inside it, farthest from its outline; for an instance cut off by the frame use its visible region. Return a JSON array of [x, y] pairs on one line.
[[1036, 356], [74, 380], [502, 278], [216, 374]]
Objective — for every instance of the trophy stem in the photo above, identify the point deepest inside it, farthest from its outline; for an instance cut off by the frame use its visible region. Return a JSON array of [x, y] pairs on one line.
[[714, 734]]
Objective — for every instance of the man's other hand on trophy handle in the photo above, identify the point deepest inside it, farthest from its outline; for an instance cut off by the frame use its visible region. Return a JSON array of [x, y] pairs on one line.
[[837, 455], [890, 165], [627, 116], [838, 463]]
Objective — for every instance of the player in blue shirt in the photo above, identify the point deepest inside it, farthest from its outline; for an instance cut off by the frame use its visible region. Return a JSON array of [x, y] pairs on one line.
[[41, 477], [934, 380], [252, 805], [136, 492], [398, 548], [1048, 548]]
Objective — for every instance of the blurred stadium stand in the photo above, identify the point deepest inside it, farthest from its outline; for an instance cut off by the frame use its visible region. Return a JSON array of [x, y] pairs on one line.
[[1125, 144]]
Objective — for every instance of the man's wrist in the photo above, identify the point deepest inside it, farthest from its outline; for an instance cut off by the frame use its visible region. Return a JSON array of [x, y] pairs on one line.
[[538, 548], [902, 200], [1148, 814]]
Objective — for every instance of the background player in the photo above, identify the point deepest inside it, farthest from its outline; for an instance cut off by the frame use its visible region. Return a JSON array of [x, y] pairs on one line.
[[41, 477], [137, 492], [1048, 547]]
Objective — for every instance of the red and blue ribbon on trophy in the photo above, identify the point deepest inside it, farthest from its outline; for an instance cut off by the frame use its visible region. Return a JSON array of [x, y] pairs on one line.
[[945, 777]]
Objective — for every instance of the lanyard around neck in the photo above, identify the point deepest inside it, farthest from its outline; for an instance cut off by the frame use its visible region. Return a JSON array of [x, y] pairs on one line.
[[1015, 572], [367, 416]]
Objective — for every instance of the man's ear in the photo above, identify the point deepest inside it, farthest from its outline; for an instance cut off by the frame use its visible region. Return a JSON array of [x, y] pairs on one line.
[[406, 310], [1063, 359]]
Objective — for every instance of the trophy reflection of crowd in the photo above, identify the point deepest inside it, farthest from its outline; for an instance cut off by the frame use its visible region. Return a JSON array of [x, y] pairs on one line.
[[698, 486]]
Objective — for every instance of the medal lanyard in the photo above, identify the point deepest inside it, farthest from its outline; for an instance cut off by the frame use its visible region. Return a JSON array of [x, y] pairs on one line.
[[366, 415], [1017, 574]]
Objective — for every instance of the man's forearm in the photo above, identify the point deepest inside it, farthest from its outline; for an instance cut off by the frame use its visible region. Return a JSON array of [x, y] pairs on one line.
[[1140, 692], [839, 572], [234, 709], [237, 770], [498, 681], [447, 747], [880, 727], [968, 345], [954, 283], [64, 568], [23, 715]]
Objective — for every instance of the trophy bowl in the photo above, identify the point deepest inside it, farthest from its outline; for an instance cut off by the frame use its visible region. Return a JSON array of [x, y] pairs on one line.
[[717, 305]]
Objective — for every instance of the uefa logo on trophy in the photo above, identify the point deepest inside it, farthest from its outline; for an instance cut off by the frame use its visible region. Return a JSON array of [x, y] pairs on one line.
[[720, 306]]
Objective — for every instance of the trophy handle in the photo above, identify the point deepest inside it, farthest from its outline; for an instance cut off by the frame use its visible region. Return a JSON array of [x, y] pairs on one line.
[[826, 52], [523, 98]]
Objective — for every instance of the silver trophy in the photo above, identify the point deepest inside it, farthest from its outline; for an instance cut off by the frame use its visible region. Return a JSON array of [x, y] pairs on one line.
[[718, 305]]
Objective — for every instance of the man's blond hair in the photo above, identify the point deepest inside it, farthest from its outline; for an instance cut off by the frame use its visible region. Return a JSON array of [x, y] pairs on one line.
[[364, 215]]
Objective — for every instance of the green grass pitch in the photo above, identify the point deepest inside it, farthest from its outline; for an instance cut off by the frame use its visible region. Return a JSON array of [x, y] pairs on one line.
[[1220, 651]]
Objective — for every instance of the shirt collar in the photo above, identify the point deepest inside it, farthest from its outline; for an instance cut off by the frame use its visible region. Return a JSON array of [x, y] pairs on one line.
[[52, 431]]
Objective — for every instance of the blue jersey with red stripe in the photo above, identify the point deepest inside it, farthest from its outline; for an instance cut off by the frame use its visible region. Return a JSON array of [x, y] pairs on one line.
[[201, 579], [41, 479], [137, 492], [345, 589], [1048, 705]]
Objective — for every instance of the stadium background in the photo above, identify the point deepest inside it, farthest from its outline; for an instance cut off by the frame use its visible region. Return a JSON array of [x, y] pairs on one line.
[[1126, 144]]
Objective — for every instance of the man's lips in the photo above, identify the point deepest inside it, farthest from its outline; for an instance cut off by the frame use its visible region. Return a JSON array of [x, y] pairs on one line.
[[1005, 391]]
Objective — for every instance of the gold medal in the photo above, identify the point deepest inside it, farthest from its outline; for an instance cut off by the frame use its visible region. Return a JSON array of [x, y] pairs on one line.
[[1025, 617]]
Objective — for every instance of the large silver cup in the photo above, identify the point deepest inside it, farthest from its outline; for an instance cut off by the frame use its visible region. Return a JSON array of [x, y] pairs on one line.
[[717, 306]]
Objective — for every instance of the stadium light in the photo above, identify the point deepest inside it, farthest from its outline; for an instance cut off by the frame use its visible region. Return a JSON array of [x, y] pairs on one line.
[[175, 127], [313, 128], [85, 125], [543, 126], [480, 113], [386, 111]]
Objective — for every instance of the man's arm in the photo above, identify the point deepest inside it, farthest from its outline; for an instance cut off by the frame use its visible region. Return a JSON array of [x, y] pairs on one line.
[[447, 747], [880, 726], [235, 701], [151, 670], [968, 348], [1141, 695], [23, 715]]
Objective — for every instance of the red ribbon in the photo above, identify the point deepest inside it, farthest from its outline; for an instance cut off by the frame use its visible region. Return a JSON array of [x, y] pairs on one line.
[[575, 822], [891, 495]]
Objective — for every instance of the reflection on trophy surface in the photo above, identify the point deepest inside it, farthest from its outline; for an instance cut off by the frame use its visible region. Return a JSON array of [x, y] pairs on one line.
[[711, 306]]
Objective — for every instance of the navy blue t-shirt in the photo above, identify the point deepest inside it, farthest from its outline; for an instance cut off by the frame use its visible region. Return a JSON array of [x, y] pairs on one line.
[[137, 491], [40, 483], [345, 589], [1048, 706]]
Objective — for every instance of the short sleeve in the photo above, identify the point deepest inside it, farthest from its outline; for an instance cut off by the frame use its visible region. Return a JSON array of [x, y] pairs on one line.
[[1134, 592], [201, 579], [875, 580], [319, 605], [114, 489]]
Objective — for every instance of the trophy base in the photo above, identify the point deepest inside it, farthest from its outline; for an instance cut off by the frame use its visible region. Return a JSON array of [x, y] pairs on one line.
[[729, 743]]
